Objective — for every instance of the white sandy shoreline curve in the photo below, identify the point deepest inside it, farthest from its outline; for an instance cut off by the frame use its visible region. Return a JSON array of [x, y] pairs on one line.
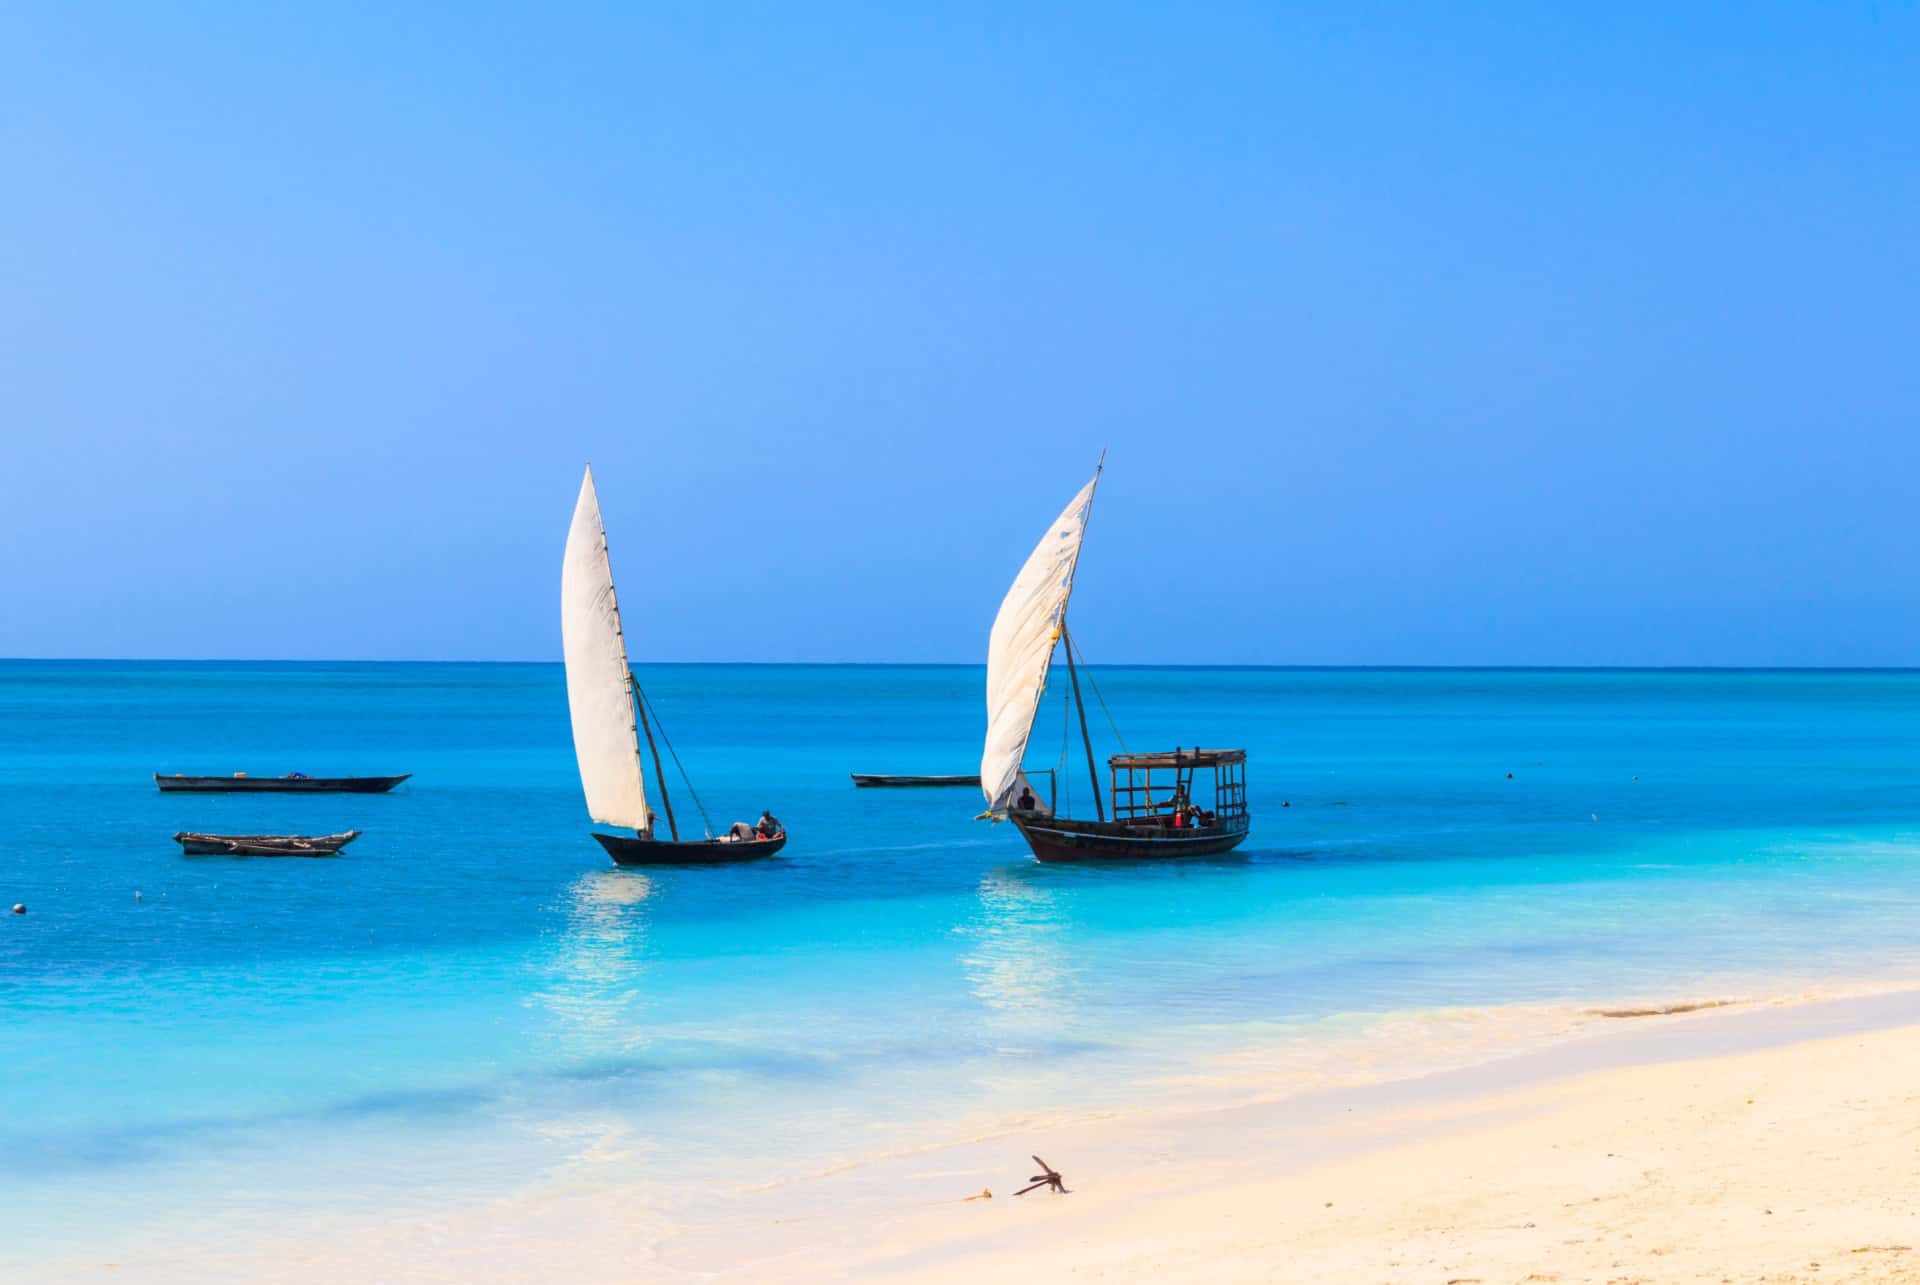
[[1725, 1134]]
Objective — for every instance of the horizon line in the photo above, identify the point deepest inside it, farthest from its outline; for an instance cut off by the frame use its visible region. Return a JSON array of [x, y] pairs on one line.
[[1302, 667]]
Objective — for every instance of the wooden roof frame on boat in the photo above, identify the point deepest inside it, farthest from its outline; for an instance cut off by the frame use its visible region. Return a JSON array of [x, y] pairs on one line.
[[1178, 758]]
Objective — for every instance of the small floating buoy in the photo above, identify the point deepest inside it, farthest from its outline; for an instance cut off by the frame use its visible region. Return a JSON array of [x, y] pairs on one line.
[[1509, 776], [19, 907], [136, 894], [1286, 803]]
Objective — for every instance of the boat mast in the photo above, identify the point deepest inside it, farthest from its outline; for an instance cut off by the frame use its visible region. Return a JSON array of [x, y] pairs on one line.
[[666, 800], [1093, 775]]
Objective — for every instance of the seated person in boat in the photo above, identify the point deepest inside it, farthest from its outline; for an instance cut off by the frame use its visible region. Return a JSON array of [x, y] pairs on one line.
[[1025, 802], [768, 825]]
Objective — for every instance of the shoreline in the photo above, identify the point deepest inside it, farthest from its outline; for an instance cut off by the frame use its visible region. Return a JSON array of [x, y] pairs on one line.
[[1171, 1186], [1173, 1193]]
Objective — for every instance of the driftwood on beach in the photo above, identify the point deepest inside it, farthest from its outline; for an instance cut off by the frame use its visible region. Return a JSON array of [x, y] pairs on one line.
[[1047, 1177]]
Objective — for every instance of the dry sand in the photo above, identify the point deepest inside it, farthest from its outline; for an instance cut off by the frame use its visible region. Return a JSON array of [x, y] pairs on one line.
[[1780, 1164]]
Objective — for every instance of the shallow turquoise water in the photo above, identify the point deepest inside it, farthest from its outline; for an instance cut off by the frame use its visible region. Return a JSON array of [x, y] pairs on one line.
[[473, 997]]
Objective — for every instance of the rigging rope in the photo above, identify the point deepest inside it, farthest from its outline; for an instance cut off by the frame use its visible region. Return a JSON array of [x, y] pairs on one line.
[[1087, 670], [1062, 779], [706, 822]]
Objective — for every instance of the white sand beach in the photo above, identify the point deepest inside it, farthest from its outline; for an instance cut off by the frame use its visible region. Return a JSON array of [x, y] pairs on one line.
[[1625, 1155], [1790, 1164], [1784, 1162]]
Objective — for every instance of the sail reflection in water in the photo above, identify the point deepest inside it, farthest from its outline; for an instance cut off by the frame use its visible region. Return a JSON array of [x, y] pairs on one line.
[[1018, 964], [595, 993]]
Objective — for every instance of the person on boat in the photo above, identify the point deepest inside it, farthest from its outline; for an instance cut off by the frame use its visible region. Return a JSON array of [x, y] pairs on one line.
[[768, 825], [1025, 802]]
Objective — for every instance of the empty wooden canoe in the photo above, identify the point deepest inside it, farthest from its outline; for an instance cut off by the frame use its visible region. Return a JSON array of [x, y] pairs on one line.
[[292, 784], [263, 845], [868, 781]]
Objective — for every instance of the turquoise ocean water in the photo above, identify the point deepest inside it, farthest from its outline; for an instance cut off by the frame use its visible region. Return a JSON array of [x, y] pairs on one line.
[[473, 999]]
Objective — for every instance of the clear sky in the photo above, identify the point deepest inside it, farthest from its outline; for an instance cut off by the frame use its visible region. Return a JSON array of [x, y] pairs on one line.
[[1507, 334]]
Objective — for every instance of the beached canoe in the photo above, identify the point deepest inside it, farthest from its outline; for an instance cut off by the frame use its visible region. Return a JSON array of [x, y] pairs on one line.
[[263, 845], [292, 784], [869, 781]]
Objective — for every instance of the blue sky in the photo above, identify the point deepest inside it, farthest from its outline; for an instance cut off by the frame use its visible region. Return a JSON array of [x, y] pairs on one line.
[[1529, 334]]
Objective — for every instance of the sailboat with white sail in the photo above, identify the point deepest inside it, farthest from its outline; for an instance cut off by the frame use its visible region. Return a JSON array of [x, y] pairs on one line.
[[611, 715], [1151, 815]]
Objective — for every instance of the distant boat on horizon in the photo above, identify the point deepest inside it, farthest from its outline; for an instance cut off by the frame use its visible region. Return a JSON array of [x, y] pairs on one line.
[[872, 781], [291, 783], [609, 711], [1031, 623]]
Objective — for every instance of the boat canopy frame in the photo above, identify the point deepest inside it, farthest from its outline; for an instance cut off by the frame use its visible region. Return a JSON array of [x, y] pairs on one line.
[[1135, 803]]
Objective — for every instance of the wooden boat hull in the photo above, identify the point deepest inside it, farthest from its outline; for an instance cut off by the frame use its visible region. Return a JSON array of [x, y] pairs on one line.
[[263, 845], [868, 781], [628, 850], [1053, 839], [277, 784]]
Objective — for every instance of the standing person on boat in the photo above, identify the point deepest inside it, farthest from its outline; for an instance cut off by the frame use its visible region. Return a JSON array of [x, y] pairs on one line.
[[768, 825]]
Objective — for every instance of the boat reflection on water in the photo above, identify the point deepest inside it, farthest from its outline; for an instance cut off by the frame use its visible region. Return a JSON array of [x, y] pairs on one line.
[[598, 964], [1018, 963]]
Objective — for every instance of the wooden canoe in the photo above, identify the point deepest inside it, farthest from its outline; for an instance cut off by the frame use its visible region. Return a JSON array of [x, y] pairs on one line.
[[277, 784], [868, 781], [263, 845]]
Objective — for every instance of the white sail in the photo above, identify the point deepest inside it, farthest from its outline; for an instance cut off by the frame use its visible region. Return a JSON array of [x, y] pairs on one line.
[[1020, 649], [604, 736]]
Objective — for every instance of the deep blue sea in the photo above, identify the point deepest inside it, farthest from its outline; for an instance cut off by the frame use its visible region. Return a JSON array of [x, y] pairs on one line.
[[472, 998]]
